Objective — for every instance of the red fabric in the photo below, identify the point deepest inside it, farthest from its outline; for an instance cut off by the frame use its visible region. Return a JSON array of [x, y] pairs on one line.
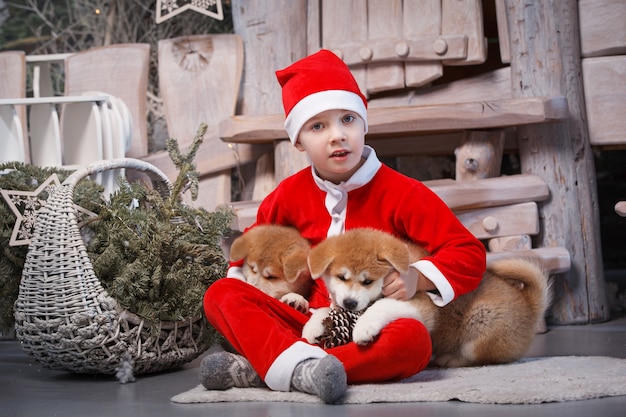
[[320, 71], [390, 202], [260, 328]]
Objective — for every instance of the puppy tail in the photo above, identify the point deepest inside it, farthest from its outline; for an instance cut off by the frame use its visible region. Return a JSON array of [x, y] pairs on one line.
[[529, 278]]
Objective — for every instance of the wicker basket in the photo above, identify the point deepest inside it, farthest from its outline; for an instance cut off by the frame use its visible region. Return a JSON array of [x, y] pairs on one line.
[[63, 315]]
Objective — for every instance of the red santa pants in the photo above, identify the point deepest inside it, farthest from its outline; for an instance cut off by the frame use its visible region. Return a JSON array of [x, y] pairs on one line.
[[261, 328]]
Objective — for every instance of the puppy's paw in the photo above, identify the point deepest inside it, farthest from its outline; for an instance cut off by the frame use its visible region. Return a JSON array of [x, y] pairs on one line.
[[365, 331], [314, 329], [296, 301], [377, 316]]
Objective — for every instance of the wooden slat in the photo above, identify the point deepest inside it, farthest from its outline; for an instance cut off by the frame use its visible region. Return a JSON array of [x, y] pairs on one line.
[[514, 219], [604, 83], [503, 32], [391, 122], [199, 78], [384, 21], [422, 18], [465, 17], [209, 69], [490, 192], [602, 27], [420, 50], [462, 116], [345, 21], [508, 243], [490, 86], [555, 260], [120, 70]]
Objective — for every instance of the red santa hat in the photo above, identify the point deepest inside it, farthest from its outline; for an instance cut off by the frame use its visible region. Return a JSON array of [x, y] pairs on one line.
[[319, 82]]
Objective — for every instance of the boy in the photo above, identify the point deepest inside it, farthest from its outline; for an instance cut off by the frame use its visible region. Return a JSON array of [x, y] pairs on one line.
[[345, 187]]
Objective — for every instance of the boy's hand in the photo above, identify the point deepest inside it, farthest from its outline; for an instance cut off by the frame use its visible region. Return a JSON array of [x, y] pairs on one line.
[[399, 286]]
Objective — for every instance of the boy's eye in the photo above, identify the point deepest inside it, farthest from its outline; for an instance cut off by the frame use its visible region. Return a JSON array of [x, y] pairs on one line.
[[348, 118], [316, 127]]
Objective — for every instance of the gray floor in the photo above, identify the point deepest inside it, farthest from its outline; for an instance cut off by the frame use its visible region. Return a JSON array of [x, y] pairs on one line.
[[26, 389]]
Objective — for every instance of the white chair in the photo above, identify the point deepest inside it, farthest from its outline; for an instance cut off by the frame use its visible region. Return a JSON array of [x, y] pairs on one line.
[[84, 125]]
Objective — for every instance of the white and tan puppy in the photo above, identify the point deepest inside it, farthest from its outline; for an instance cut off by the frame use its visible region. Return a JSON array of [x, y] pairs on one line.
[[275, 261], [493, 324]]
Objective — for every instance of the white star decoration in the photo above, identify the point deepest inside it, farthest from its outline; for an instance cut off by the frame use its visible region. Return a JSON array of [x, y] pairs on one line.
[[170, 8], [26, 204]]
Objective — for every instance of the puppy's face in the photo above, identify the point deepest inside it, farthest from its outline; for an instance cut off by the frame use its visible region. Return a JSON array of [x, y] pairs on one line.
[[275, 260], [353, 265]]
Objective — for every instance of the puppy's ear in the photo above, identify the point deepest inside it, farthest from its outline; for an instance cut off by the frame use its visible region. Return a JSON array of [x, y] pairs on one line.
[[395, 252], [295, 264], [320, 258], [240, 248]]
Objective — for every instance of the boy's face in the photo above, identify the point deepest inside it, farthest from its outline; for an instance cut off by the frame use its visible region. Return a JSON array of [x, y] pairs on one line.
[[334, 140]]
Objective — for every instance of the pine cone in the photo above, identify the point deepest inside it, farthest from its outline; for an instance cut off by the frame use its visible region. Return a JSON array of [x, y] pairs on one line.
[[339, 325]]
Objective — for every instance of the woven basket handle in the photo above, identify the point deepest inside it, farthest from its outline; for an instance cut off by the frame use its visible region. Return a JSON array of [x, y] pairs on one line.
[[159, 180]]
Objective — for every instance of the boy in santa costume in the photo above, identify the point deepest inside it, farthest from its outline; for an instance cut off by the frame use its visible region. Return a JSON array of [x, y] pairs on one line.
[[346, 187]]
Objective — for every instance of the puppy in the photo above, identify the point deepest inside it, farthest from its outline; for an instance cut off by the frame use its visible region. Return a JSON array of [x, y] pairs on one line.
[[493, 324], [275, 261]]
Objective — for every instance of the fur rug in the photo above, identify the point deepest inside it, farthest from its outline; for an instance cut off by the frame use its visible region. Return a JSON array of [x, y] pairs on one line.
[[528, 381]]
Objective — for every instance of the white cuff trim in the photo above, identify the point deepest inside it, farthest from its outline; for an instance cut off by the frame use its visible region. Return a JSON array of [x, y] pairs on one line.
[[430, 271], [235, 272], [278, 377]]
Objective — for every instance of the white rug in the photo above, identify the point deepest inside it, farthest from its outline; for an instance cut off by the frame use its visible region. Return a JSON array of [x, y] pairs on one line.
[[529, 381]]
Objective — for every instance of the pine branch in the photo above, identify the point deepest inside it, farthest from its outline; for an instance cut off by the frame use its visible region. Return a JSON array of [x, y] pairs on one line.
[[187, 173]]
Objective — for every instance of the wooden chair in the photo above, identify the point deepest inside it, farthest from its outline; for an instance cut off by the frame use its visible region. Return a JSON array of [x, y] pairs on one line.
[[199, 79], [119, 70]]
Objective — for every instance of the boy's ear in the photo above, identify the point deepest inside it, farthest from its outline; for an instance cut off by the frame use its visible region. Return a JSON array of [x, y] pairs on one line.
[[320, 258], [298, 145]]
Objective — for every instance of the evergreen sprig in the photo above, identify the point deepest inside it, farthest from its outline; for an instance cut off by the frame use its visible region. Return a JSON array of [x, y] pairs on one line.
[[156, 256], [187, 174]]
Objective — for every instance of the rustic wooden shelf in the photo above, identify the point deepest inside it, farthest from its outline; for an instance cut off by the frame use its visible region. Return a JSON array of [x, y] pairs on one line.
[[390, 122]]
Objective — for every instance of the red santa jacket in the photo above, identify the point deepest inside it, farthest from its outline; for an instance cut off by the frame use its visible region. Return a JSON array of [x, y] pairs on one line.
[[391, 202]]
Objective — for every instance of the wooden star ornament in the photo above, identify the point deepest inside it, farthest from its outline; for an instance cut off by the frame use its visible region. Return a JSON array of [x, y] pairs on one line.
[[170, 8], [26, 204]]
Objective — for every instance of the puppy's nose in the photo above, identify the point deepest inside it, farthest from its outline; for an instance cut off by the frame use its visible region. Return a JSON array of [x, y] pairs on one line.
[[350, 304]]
